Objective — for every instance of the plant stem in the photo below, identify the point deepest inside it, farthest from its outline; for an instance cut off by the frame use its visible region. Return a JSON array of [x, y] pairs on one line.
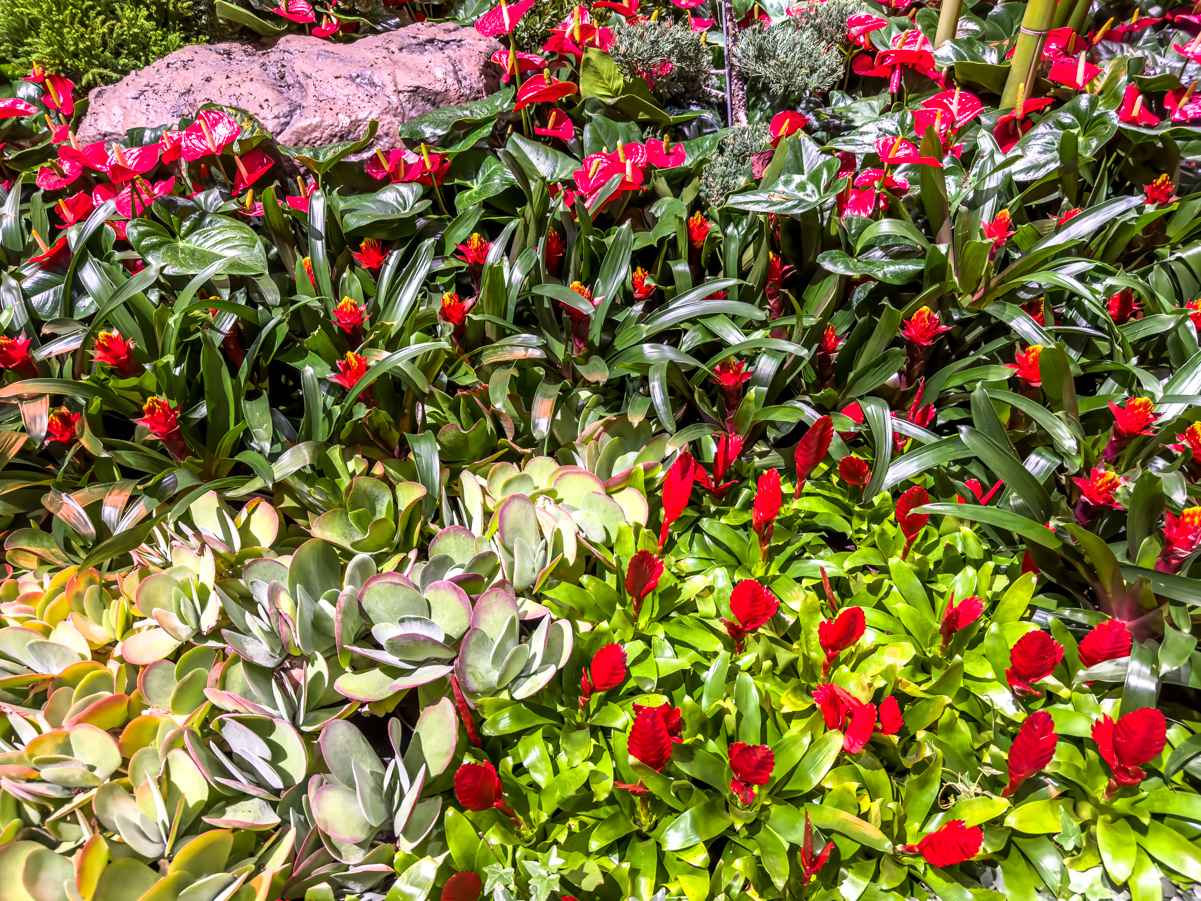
[[735, 87], [1023, 68], [948, 22], [1076, 18]]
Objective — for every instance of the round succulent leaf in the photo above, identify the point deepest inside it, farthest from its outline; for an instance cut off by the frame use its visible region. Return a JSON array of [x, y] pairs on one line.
[[390, 596], [145, 647], [95, 748], [125, 879], [571, 484], [336, 812], [458, 543], [342, 746], [450, 607], [44, 876], [517, 520], [315, 569], [437, 735], [247, 813], [421, 822], [206, 853]]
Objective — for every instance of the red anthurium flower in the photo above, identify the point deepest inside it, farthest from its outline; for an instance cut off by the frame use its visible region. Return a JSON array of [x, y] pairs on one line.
[[812, 861], [370, 255], [898, 151], [812, 449], [1135, 416], [478, 787], [751, 766], [1011, 126], [516, 63], [1128, 744], [502, 19], [1133, 110], [951, 844], [52, 255], [642, 577], [1181, 536], [911, 523], [60, 92], [854, 470], [891, 719], [843, 711], [16, 108], [959, 106], [606, 671], [958, 617], [558, 125], [1025, 365], [251, 167], [768, 499], [542, 88], [838, 634], [1109, 640], [1099, 488], [474, 251], [731, 375], [642, 283], [1123, 306], [908, 50], [211, 133], [1033, 657], [62, 426], [452, 309], [1032, 749], [650, 737], [351, 368], [465, 886], [58, 174], [923, 327], [1160, 192], [75, 208], [1074, 72], [999, 230], [1190, 51], [349, 315], [698, 230], [662, 154], [1184, 105], [14, 352], [752, 606], [298, 11], [786, 122], [677, 489], [860, 27], [112, 349]]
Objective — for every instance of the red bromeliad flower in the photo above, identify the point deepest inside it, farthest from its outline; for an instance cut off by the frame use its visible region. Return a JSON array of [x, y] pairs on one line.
[[752, 606], [1098, 491], [730, 376], [812, 862], [812, 449], [478, 788], [351, 369], [891, 719], [62, 426], [839, 634], [606, 671], [453, 310], [1160, 192], [1130, 743], [958, 617], [677, 490], [923, 327], [951, 844], [542, 88], [698, 230], [474, 251], [1123, 306], [211, 133], [1032, 749], [1190, 439], [729, 448], [465, 886], [1181, 536], [911, 523], [785, 123], [349, 315], [1064, 218], [999, 230], [112, 349], [370, 255], [307, 264], [554, 251], [1135, 416], [751, 766], [854, 470], [1033, 657], [642, 577], [653, 733], [1075, 73], [1133, 110], [502, 19], [1109, 640], [843, 711], [161, 420], [644, 286], [1026, 365], [1011, 126], [768, 499]]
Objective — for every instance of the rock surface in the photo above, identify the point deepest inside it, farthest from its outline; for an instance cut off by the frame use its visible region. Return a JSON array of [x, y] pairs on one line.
[[304, 90]]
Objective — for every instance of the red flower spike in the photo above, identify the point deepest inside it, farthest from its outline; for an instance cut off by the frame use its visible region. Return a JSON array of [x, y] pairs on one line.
[[752, 606], [351, 369], [1026, 365], [891, 719], [1098, 489], [1128, 744], [768, 499], [812, 449], [112, 349], [478, 787], [1032, 749], [949, 845], [642, 283], [161, 420], [1181, 536], [730, 376], [911, 523], [751, 765], [811, 861], [349, 315], [698, 230], [854, 471], [1034, 656], [840, 633], [554, 251], [923, 327], [999, 230], [474, 251], [62, 426], [1123, 306], [465, 886], [842, 710], [650, 741], [464, 711], [370, 255], [958, 617], [1109, 640], [1190, 440], [1160, 192], [677, 490], [453, 310], [642, 577], [1135, 416], [606, 671]]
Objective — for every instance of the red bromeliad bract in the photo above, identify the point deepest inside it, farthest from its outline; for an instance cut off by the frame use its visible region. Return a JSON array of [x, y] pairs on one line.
[[606, 671], [766, 507], [751, 765], [1130, 743], [1109, 640], [752, 606], [812, 449], [951, 844], [841, 633], [1032, 749], [677, 489], [1033, 657]]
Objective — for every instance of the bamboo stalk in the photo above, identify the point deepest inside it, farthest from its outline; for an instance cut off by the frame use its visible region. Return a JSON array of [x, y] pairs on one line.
[[948, 22], [1023, 68], [1079, 12]]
